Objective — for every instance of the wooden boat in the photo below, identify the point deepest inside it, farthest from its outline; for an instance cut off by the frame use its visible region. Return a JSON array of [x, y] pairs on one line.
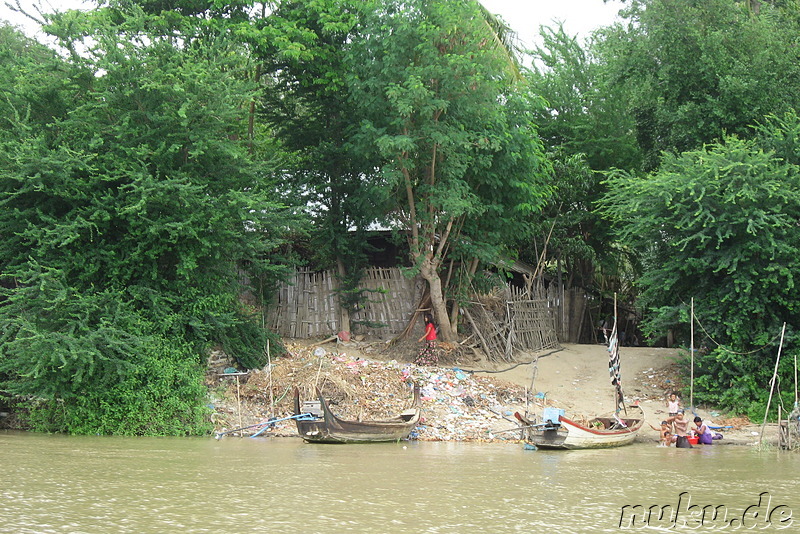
[[323, 426], [614, 430]]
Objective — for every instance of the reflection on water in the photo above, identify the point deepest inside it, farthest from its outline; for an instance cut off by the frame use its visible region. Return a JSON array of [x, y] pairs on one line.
[[62, 484]]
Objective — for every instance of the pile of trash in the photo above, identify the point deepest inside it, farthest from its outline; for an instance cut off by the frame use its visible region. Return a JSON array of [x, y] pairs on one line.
[[456, 405], [656, 384]]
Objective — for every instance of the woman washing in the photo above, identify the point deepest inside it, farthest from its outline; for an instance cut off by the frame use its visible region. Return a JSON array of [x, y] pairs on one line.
[[704, 434], [428, 355]]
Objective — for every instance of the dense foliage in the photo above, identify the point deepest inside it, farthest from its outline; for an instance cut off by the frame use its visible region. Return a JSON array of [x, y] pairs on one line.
[[720, 225], [130, 202], [309, 109], [649, 102], [692, 71], [462, 157], [152, 167]]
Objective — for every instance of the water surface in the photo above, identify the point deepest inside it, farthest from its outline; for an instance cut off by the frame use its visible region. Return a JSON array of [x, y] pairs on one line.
[[67, 484]]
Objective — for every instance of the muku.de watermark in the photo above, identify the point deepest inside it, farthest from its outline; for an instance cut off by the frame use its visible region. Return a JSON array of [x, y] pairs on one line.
[[762, 514]]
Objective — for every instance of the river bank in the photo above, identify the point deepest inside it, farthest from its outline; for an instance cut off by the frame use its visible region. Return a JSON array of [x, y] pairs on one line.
[[464, 398]]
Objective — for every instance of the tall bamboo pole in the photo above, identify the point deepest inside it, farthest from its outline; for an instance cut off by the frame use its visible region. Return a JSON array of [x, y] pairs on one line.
[[691, 349], [772, 383], [239, 403], [271, 395]]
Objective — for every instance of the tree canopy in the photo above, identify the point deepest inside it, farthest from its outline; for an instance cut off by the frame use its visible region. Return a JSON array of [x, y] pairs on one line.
[[693, 71], [131, 200], [719, 225], [157, 160], [671, 105], [455, 132]]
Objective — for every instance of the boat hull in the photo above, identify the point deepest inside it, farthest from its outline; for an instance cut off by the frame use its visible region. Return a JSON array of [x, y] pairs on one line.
[[330, 428], [600, 433]]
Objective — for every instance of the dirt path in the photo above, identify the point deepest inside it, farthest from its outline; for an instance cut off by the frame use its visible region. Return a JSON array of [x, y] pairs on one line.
[[576, 378]]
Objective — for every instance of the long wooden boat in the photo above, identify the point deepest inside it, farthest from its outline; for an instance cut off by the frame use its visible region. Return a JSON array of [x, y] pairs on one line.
[[598, 433], [323, 426]]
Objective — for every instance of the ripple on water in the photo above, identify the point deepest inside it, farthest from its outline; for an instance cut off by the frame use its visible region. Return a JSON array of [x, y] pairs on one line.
[[58, 484]]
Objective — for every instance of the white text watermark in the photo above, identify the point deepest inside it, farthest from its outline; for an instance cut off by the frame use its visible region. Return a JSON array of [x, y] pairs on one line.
[[762, 514]]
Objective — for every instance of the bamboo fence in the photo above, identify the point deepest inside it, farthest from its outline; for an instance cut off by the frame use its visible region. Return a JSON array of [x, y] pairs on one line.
[[509, 320], [307, 305], [513, 320]]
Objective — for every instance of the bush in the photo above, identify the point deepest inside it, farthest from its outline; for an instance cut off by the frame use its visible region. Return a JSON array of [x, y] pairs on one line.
[[91, 363], [163, 394]]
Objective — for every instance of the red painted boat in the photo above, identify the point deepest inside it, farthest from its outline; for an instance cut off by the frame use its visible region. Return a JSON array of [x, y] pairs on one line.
[[614, 430]]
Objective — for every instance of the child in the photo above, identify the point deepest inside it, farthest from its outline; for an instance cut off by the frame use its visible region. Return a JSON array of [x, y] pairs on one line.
[[664, 434], [673, 404]]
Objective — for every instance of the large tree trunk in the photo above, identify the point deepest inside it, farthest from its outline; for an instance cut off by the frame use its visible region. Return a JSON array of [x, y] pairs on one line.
[[431, 275]]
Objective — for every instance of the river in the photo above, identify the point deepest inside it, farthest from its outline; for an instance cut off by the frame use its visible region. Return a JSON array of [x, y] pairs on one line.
[[71, 484]]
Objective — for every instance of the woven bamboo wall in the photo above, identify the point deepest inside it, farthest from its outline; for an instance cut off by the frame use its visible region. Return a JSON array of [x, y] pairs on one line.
[[513, 321], [307, 305], [532, 323], [568, 309], [396, 305]]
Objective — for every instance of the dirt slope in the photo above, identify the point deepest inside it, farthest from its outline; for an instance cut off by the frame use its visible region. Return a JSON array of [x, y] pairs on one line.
[[464, 399]]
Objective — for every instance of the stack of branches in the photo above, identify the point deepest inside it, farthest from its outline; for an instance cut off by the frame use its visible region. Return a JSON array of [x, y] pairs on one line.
[[502, 322], [357, 388], [491, 325]]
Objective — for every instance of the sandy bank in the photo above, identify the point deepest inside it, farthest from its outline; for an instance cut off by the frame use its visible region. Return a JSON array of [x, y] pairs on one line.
[[467, 400]]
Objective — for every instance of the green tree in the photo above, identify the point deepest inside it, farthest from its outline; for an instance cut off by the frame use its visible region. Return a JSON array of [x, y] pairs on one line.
[[128, 210], [308, 108], [585, 113], [720, 225], [586, 130], [693, 71], [434, 96], [39, 99]]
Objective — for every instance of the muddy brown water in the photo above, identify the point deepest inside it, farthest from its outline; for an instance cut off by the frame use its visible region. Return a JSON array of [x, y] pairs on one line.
[[67, 484]]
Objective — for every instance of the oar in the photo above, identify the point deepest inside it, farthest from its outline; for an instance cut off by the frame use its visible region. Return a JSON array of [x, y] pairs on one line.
[[271, 422], [266, 424], [501, 415], [517, 429], [220, 434]]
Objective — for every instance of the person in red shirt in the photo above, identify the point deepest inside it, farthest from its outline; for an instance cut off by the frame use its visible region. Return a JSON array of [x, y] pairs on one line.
[[428, 355]]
